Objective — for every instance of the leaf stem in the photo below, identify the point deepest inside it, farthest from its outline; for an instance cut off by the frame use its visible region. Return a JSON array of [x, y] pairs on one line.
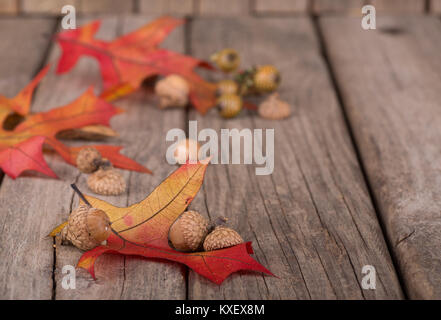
[[80, 194]]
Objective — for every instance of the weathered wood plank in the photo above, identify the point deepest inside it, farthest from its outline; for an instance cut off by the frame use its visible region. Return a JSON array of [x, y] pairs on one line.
[[25, 268], [435, 6], [43, 203], [280, 6], [9, 7], [46, 6], [181, 7], [106, 6], [398, 6], [311, 222], [339, 6], [224, 8], [391, 88]]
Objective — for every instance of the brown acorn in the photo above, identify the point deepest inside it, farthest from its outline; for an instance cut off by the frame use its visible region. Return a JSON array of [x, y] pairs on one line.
[[227, 60], [221, 237], [106, 181], [229, 105], [173, 91], [88, 160], [227, 87], [266, 79], [273, 108], [188, 232], [86, 228]]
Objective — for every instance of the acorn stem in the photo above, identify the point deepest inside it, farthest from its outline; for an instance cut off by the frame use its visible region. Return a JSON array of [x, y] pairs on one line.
[[80, 194]]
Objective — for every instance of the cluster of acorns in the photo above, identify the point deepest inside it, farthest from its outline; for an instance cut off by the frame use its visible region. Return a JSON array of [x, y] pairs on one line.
[[88, 227], [173, 90], [191, 232], [103, 179], [254, 81]]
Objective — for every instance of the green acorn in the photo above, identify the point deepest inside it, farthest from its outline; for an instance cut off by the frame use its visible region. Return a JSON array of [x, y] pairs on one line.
[[229, 105]]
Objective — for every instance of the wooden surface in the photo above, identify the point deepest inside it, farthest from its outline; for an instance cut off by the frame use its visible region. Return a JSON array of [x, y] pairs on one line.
[[391, 89], [26, 260], [280, 6], [364, 130], [311, 221]]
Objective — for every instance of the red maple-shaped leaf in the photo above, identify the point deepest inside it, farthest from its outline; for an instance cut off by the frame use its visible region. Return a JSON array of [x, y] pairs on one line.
[[142, 229], [21, 148], [130, 59]]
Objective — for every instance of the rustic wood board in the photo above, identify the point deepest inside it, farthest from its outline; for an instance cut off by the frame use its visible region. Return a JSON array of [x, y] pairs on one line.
[[435, 6], [46, 6], [281, 6], [391, 89], [398, 6], [106, 6], [312, 222], [223, 8], [167, 6], [338, 6], [25, 267], [8, 7], [142, 131]]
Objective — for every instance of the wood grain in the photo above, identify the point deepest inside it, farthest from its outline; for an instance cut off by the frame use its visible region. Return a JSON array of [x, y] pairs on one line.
[[435, 6], [280, 6], [8, 7], [398, 6], [311, 222], [224, 8], [46, 6], [25, 257], [391, 89], [340, 6], [106, 6], [167, 6]]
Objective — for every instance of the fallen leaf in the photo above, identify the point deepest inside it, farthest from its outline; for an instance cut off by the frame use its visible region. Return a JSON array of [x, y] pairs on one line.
[[97, 132], [142, 229], [21, 149], [127, 61]]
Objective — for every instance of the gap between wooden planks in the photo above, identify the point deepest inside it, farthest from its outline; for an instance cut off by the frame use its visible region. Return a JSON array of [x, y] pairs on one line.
[[390, 82], [312, 222]]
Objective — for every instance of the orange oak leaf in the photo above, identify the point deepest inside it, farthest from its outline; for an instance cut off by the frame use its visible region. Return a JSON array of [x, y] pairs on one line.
[[127, 61], [21, 149], [142, 229]]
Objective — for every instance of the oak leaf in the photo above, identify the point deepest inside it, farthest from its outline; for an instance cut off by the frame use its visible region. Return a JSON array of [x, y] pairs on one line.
[[142, 229], [128, 60], [21, 149]]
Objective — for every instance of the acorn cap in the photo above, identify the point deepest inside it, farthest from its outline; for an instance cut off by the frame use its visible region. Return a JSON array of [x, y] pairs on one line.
[[88, 160], [188, 232], [173, 91], [273, 108], [87, 227], [107, 182], [221, 237]]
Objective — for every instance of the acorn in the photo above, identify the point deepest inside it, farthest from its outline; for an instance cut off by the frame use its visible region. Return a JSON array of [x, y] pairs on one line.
[[229, 105], [227, 87], [188, 232], [106, 181], [227, 60], [266, 79], [221, 237], [173, 91], [86, 227], [88, 160], [273, 108], [187, 149]]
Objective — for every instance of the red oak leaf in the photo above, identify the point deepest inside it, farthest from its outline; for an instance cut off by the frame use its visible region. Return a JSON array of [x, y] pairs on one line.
[[142, 229], [21, 148], [127, 61]]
